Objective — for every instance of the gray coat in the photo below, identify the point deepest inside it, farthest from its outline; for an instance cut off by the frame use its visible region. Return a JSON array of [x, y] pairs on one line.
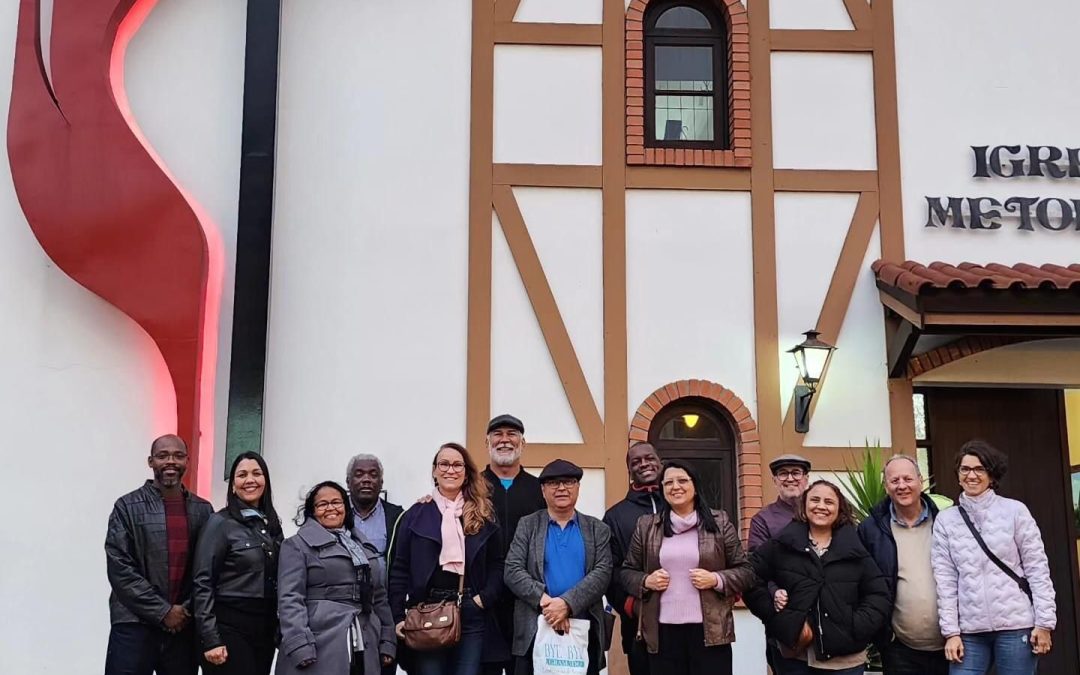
[[524, 575], [317, 602]]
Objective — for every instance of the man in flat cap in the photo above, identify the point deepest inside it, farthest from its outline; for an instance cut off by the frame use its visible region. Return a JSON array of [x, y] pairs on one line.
[[515, 493], [790, 473], [559, 566]]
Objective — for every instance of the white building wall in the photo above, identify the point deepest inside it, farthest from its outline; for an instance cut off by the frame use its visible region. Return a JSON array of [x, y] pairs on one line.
[[809, 14], [547, 105], [560, 11], [690, 291], [968, 75], [367, 338]]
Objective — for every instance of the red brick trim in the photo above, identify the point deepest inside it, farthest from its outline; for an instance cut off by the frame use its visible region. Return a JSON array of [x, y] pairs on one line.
[[738, 89], [748, 450], [965, 346]]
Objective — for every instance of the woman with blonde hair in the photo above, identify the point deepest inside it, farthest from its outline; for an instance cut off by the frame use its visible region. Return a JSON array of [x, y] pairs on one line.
[[441, 545]]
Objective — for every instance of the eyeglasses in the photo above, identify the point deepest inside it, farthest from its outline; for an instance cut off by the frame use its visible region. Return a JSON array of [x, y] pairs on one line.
[[561, 483], [335, 504], [793, 474], [450, 467], [979, 471]]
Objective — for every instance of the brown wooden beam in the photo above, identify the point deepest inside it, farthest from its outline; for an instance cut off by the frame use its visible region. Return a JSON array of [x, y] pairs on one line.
[[548, 175], [687, 178], [825, 180], [784, 40], [559, 34]]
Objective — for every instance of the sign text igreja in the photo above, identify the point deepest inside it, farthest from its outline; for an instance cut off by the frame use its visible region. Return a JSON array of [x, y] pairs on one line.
[[1013, 161]]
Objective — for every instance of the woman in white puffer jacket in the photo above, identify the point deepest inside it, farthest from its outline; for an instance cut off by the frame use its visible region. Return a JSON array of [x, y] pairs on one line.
[[986, 617]]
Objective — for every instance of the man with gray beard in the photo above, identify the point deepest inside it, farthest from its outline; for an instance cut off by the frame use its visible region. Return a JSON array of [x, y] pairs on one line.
[[515, 493]]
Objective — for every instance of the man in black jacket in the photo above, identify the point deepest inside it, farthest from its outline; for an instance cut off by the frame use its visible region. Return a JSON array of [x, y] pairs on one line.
[[898, 535], [148, 550], [515, 493], [643, 498]]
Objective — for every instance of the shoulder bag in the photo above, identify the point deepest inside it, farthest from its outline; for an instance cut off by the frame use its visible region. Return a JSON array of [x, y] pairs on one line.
[[434, 625], [1020, 581]]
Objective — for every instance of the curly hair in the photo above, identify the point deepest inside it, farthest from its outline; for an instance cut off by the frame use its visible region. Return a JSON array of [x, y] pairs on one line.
[[845, 515], [475, 491]]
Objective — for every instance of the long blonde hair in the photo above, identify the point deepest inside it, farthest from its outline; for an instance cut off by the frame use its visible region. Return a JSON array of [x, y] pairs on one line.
[[475, 492]]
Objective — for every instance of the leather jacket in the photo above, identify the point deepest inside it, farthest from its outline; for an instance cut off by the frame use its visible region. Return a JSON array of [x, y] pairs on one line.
[[234, 559], [137, 554]]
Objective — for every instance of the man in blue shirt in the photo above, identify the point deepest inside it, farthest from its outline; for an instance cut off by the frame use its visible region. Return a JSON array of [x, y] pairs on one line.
[[558, 567]]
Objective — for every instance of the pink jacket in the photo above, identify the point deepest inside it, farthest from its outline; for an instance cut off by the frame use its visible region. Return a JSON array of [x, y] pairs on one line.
[[974, 595]]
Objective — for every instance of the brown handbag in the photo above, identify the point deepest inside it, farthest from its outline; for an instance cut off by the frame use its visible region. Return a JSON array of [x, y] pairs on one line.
[[434, 625]]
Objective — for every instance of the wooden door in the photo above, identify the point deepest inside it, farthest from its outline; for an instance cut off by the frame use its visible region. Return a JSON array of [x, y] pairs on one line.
[[1028, 425]]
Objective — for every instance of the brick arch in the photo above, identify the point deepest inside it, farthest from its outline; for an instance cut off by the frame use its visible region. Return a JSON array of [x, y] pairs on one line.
[[738, 33], [954, 351], [748, 443]]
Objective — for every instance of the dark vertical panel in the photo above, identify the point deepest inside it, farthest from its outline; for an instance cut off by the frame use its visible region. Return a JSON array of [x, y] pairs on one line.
[[247, 372], [1026, 424]]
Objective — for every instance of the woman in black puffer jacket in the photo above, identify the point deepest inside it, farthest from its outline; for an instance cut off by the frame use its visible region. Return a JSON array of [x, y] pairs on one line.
[[819, 593]]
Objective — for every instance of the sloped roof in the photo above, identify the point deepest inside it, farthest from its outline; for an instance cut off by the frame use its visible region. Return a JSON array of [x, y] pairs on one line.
[[915, 277]]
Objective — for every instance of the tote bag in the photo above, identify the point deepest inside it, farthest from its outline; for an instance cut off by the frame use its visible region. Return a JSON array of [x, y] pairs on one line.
[[566, 654]]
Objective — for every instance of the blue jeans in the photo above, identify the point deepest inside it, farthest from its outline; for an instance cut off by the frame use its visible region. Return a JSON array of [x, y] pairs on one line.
[[784, 666], [1009, 650], [461, 659]]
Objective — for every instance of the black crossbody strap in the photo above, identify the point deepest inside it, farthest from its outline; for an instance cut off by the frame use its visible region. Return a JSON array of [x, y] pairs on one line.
[[1020, 581]]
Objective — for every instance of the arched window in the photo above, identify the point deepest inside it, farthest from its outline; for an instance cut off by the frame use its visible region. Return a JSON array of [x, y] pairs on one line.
[[694, 430], [686, 72]]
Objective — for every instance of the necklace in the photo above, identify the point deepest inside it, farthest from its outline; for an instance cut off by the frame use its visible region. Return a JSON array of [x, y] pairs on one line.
[[820, 549]]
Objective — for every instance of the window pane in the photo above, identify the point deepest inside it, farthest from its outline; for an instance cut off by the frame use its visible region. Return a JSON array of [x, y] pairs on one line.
[[692, 427], [683, 17], [919, 401], [922, 455], [684, 118], [684, 68]]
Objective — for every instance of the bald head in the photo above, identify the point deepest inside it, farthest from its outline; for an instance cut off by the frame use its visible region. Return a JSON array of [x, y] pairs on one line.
[[168, 441]]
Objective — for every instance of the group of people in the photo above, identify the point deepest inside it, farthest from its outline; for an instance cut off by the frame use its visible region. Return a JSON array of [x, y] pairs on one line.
[[226, 591]]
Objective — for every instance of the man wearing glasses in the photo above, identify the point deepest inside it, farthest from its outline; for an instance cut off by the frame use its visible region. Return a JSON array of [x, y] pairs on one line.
[[790, 475], [559, 566], [515, 493]]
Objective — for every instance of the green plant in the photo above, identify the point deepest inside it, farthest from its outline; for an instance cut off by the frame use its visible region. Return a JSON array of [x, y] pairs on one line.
[[864, 481]]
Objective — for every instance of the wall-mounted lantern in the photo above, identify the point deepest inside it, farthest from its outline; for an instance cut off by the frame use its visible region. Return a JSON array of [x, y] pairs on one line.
[[812, 357]]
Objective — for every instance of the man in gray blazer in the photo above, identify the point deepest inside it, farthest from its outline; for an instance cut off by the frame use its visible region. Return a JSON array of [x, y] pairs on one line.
[[558, 566]]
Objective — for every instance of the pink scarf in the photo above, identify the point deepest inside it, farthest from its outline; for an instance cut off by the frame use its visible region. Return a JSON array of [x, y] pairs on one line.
[[452, 555], [680, 524]]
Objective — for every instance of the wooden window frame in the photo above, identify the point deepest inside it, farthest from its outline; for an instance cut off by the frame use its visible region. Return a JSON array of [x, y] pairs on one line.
[[716, 38]]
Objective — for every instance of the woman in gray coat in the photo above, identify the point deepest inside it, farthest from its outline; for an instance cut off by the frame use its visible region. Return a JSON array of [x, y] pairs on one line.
[[332, 605]]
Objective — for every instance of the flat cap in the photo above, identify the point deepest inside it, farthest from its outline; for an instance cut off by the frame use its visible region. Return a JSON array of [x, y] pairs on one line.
[[789, 460], [505, 421], [560, 468]]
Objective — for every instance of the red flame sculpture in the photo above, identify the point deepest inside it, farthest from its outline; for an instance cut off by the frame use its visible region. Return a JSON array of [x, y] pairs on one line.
[[104, 207]]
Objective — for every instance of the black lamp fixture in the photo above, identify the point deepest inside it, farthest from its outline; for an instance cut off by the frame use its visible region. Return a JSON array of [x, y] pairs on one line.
[[812, 356]]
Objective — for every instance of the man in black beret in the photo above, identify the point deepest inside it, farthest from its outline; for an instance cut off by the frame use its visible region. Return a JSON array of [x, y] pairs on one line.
[[559, 566], [515, 493]]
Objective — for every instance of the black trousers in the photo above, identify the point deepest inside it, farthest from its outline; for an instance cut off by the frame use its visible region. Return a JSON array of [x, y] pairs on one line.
[[637, 659], [248, 629], [504, 617], [139, 649], [899, 659], [683, 652]]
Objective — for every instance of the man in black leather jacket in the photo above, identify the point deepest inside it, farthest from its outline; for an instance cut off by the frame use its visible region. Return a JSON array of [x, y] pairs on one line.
[[148, 550], [643, 498]]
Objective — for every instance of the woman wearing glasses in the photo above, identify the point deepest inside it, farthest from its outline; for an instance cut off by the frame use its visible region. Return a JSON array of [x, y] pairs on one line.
[[331, 599], [437, 542], [686, 567], [995, 605]]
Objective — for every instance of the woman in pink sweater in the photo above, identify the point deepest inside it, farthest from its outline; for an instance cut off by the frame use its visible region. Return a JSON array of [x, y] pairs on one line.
[[686, 565]]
